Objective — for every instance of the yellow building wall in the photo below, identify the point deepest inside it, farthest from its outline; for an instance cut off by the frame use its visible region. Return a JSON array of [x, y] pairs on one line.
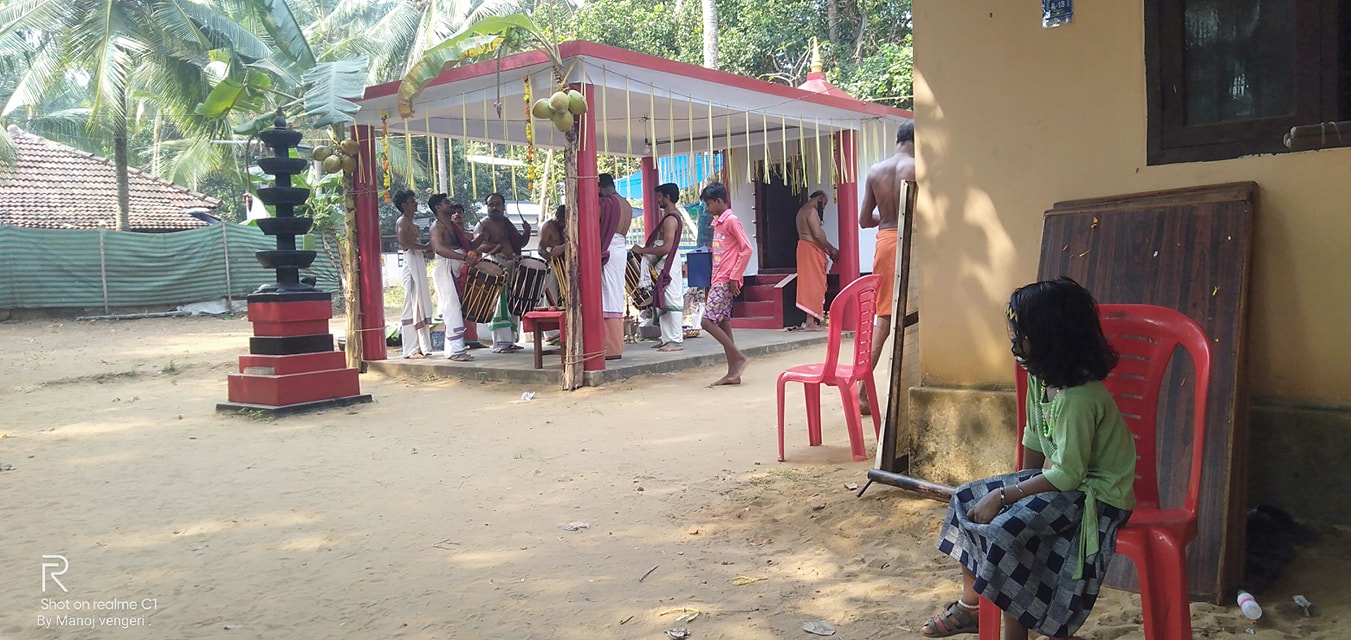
[[1011, 118]]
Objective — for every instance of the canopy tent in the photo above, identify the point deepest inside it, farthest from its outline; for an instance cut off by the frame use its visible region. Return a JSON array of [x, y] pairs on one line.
[[645, 107]]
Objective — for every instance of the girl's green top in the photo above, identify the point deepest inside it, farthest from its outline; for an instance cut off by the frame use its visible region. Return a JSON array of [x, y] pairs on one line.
[[1088, 448]]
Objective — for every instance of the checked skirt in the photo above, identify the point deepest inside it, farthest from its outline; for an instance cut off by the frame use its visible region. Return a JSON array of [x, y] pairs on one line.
[[1024, 559]]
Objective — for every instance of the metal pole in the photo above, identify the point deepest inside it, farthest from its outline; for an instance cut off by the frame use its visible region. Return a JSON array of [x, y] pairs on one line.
[[225, 238], [103, 271]]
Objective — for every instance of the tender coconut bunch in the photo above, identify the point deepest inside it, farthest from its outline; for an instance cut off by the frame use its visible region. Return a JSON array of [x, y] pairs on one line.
[[561, 108], [341, 158]]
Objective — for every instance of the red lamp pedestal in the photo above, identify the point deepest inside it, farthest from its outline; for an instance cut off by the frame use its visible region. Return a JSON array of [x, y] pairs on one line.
[[291, 366]]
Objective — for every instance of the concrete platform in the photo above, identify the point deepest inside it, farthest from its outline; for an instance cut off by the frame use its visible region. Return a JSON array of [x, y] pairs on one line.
[[639, 360]]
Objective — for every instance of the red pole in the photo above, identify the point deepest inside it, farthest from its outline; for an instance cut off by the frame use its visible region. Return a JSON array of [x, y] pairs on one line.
[[588, 245], [846, 200], [650, 182], [372, 300]]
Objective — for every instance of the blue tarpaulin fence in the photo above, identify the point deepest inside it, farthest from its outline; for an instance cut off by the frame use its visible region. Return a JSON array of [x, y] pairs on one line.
[[685, 171]]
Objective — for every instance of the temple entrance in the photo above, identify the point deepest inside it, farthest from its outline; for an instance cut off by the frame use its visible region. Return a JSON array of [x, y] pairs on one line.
[[776, 225]]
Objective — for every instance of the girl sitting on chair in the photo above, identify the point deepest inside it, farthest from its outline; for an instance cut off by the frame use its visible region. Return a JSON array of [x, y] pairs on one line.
[[1037, 542]]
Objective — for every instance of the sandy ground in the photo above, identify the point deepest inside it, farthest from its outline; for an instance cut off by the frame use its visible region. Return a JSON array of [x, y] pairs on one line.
[[435, 512]]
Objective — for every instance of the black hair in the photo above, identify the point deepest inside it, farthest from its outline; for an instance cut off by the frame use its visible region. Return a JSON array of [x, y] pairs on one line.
[[455, 206], [670, 190], [401, 196], [1059, 321], [816, 194], [906, 131], [605, 181], [714, 191], [561, 212], [490, 197], [436, 199]]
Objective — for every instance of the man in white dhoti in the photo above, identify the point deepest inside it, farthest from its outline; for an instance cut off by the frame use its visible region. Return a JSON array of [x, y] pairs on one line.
[[449, 259], [615, 217], [499, 237], [663, 252], [417, 299]]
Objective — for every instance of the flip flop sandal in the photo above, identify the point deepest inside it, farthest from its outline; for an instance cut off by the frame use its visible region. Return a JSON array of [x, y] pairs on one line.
[[462, 357], [956, 619]]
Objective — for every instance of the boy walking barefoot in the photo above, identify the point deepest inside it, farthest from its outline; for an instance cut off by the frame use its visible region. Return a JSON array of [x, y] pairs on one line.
[[731, 254]]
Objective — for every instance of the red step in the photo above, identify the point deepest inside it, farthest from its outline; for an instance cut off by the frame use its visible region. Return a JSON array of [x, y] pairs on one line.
[[755, 308], [756, 322], [294, 388], [759, 292]]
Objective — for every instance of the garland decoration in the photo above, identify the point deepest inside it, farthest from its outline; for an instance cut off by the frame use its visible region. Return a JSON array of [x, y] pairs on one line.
[[529, 139], [384, 152]]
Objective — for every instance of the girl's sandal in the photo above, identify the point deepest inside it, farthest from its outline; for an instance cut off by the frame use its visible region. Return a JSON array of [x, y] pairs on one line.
[[954, 620]]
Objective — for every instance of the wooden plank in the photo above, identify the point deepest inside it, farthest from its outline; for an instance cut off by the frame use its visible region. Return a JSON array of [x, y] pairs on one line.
[[1186, 249], [889, 455]]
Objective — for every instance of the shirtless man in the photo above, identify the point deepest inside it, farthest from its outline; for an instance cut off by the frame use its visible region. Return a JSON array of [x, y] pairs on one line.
[[616, 215], [446, 245], [499, 237], [463, 242], [662, 251], [553, 235], [417, 299], [812, 250], [552, 247], [881, 208]]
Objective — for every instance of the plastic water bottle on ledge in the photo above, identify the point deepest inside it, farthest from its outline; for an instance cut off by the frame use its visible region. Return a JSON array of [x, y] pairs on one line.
[[1251, 610]]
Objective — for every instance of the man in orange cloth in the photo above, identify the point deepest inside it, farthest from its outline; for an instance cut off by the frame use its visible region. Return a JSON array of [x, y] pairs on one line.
[[882, 202], [812, 250], [616, 214]]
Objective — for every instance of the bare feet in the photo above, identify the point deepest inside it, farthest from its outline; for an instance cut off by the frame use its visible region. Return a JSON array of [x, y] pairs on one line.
[[725, 380], [416, 356], [735, 368], [669, 347], [813, 326], [461, 357]]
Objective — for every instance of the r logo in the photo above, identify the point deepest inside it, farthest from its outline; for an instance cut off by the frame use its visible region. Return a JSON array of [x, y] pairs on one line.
[[54, 566]]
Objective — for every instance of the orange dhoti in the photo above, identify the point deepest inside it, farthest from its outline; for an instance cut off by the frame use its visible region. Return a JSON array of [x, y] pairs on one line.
[[884, 267], [811, 279]]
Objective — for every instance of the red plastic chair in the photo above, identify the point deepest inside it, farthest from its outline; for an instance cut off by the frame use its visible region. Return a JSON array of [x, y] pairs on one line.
[[861, 297], [1155, 538]]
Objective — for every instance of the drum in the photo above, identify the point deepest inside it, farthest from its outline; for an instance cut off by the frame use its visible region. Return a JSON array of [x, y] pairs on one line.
[[556, 287], [527, 283], [642, 297], [481, 290]]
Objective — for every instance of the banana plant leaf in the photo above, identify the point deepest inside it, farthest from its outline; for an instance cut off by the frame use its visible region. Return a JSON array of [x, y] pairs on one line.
[[329, 88], [475, 40]]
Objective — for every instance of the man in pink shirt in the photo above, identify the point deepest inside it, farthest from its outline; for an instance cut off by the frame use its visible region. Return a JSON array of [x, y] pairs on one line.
[[731, 254]]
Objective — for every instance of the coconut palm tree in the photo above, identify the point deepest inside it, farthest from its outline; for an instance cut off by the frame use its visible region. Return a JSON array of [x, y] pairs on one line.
[[710, 11], [115, 50]]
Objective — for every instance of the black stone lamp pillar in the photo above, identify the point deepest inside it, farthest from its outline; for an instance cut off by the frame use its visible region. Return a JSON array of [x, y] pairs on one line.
[[291, 364], [285, 227]]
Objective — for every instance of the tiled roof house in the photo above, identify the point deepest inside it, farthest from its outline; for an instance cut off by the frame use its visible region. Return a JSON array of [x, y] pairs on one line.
[[54, 186]]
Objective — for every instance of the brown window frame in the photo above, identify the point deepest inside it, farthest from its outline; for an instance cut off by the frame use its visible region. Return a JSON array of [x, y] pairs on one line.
[[1318, 94]]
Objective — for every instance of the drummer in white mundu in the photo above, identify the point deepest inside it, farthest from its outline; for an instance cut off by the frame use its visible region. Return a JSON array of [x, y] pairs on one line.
[[453, 248], [499, 237]]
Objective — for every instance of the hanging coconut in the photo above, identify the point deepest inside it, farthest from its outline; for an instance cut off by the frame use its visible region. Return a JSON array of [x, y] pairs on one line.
[[563, 121], [321, 153], [332, 164], [542, 109], [349, 164], [558, 101], [349, 146], [576, 102]]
